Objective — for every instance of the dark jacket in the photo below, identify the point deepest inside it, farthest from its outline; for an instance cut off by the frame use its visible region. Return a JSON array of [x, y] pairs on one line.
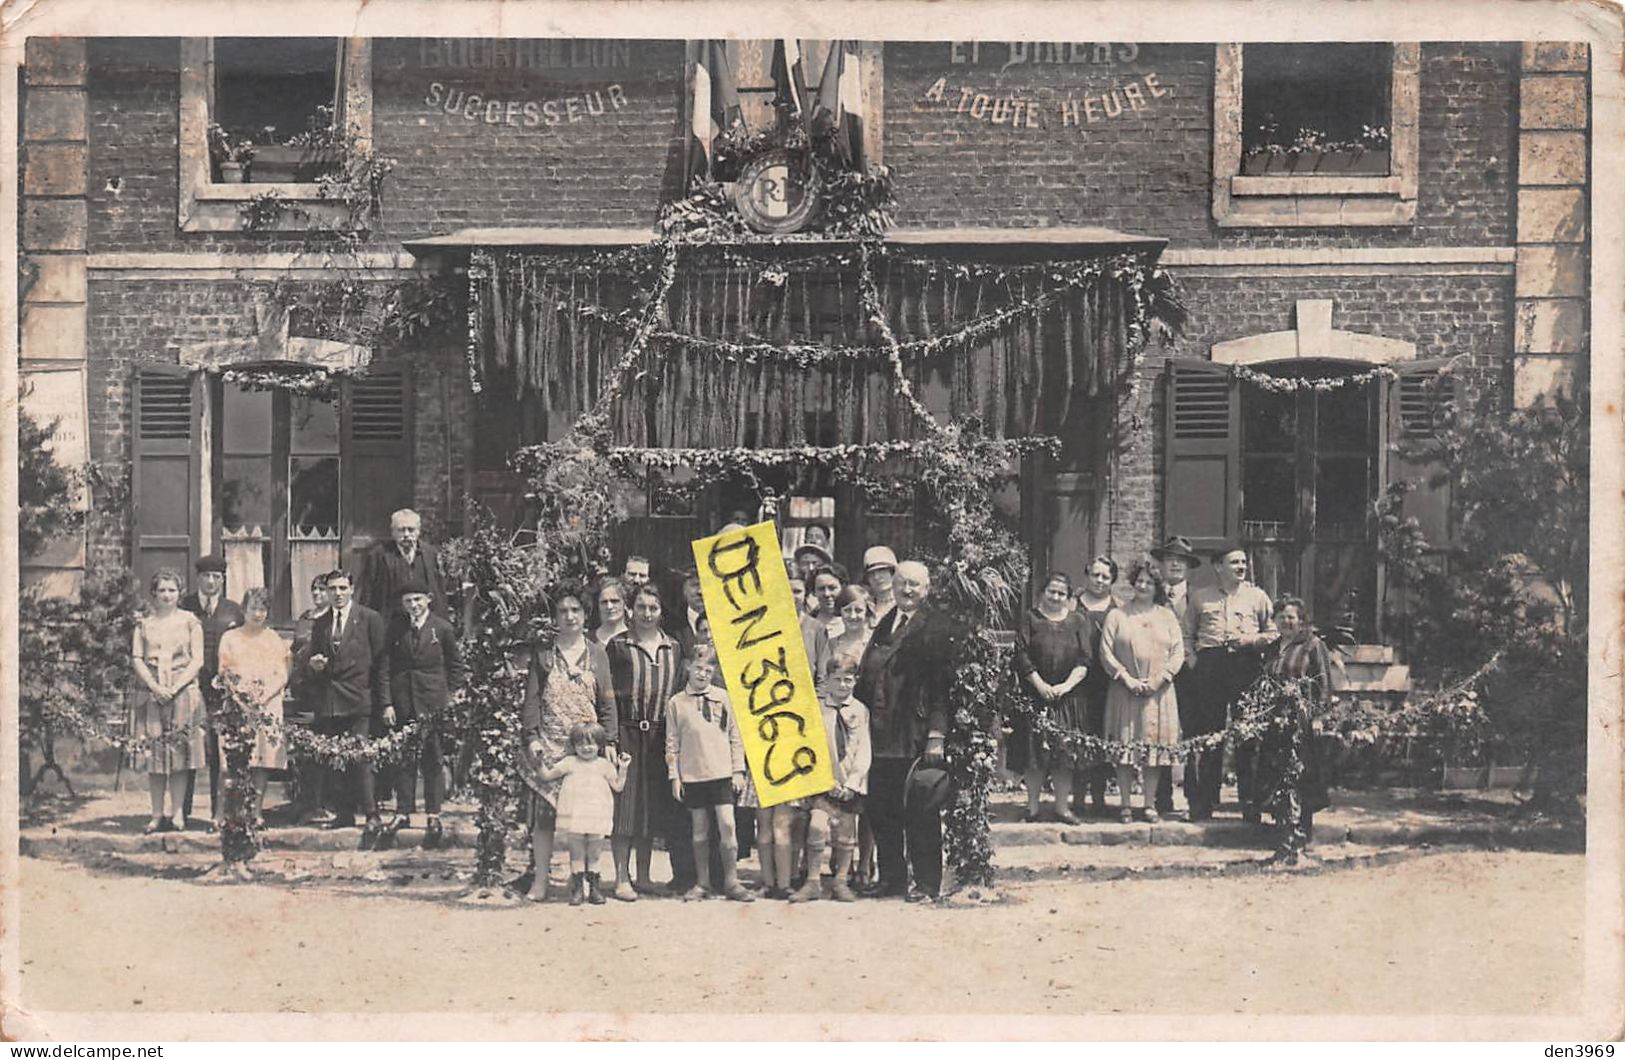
[[356, 680], [387, 570], [541, 669], [904, 680], [425, 667], [227, 615]]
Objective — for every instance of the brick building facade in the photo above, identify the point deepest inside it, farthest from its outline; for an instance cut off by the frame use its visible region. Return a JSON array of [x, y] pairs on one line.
[[1461, 238]]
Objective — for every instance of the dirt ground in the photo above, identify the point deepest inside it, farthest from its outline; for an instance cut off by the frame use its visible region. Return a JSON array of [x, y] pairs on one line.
[[1453, 933]]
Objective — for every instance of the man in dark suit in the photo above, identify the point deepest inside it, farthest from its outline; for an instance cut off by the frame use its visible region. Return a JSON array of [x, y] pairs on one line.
[[347, 677], [425, 668], [684, 625], [217, 614], [903, 680], [405, 558]]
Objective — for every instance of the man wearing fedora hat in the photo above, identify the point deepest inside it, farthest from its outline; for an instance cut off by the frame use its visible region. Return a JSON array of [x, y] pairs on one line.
[[216, 614], [1177, 557], [1229, 625]]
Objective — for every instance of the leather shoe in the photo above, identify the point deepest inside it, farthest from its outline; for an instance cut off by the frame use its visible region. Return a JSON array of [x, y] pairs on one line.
[[434, 836], [918, 894], [370, 834], [386, 834]]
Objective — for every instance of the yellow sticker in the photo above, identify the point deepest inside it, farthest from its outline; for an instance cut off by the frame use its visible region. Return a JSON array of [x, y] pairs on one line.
[[757, 633]]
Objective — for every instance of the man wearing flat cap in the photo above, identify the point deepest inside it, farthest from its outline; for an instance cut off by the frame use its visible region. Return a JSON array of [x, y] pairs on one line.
[[216, 614], [1229, 625], [1177, 558], [425, 669]]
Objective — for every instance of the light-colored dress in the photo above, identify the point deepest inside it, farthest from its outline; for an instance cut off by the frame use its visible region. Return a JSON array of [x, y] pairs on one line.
[[261, 659], [569, 697], [169, 646], [847, 649], [586, 800], [1144, 644]]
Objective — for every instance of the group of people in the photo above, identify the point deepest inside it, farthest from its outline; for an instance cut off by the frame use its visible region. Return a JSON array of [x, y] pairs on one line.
[[628, 733], [1166, 664], [360, 664]]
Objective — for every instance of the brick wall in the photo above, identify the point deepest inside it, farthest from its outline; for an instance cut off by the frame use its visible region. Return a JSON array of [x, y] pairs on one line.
[[1443, 315], [1143, 164], [603, 169]]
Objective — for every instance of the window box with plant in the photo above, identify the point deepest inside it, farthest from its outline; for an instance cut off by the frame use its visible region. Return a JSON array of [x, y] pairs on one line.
[[1314, 153], [230, 155]]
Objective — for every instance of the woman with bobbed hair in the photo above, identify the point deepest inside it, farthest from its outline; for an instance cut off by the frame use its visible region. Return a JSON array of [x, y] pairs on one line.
[[166, 653], [1141, 649], [1053, 656], [568, 684], [257, 658]]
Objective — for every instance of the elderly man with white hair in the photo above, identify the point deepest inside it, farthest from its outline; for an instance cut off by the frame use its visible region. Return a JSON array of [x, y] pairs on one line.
[[403, 560], [903, 679]]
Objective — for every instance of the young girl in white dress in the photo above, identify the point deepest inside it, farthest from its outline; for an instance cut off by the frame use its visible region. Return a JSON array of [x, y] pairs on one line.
[[586, 808]]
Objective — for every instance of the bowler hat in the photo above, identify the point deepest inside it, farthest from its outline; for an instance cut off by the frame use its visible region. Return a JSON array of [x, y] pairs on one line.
[[413, 586], [878, 556], [1178, 546], [927, 786], [204, 564]]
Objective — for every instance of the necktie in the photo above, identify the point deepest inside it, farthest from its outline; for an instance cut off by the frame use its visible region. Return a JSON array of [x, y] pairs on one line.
[[902, 620], [705, 707]]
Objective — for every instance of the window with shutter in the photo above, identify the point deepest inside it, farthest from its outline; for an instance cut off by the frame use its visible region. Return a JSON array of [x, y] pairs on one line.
[[1201, 488], [1416, 401], [379, 461], [165, 473], [306, 482]]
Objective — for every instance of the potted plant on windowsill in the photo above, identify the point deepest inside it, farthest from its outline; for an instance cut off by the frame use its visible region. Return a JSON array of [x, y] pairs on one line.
[[230, 155]]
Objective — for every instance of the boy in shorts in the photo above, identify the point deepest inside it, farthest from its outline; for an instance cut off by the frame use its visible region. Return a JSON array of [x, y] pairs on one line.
[[834, 814], [706, 761]]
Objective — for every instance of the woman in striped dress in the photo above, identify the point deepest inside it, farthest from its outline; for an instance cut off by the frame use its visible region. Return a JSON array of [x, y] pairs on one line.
[[646, 670]]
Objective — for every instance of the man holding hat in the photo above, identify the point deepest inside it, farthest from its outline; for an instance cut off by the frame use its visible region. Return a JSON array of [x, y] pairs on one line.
[[903, 680], [1229, 625], [1177, 558], [425, 668], [879, 569], [216, 614]]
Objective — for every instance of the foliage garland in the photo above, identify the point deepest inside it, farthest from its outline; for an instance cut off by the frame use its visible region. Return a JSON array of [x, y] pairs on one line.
[[1324, 384]]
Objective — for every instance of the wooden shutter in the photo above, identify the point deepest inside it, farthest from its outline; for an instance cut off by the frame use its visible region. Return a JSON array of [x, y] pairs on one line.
[[166, 460], [1415, 402], [1201, 482], [377, 472]]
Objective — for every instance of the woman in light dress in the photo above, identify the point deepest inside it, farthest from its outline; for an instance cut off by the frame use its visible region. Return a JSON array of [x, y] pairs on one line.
[[1141, 649], [260, 661], [166, 653]]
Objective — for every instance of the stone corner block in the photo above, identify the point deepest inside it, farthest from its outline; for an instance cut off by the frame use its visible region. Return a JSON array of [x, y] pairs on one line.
[[1558, 271], [1551, 215], [1550, 325], [1555, 56], [1552, 101], [55, 60], [1534, 379], [1550, 157], [54, 224]]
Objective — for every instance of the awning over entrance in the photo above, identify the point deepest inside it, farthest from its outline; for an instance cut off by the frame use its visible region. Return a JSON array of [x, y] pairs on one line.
[[1088, 238]]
